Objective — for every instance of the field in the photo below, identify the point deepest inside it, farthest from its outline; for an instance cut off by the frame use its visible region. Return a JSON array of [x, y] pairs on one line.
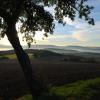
[[52, 73]]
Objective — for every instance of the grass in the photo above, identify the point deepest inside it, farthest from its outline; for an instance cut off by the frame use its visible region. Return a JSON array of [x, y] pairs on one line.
[[13, 56], [81, 90], [27, 97]]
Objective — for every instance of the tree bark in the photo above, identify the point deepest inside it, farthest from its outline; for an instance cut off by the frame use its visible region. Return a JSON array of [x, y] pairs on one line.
[[34, 85]]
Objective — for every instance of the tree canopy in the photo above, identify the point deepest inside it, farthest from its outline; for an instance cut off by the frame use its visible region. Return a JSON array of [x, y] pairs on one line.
[[34, 18]]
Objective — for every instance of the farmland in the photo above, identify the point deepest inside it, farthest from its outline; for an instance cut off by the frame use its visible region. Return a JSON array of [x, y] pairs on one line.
[[54, 72]]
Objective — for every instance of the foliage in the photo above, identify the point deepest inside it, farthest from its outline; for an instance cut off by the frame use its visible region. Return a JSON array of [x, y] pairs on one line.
[[33, 17]]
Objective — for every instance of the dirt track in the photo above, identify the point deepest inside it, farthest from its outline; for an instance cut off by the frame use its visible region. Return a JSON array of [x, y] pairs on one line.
[[12, 82]]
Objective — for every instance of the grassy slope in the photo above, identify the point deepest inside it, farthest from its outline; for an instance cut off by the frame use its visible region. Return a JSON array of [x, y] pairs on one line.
[[13, 56], [81, 90], [35, 54], [78, 57]]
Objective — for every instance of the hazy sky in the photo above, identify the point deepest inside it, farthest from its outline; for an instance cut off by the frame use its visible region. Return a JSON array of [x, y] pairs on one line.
[[73, 33]]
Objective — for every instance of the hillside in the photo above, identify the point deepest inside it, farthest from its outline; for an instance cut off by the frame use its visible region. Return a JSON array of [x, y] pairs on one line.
[[56, 55], [84, 49], [81, 90], [49, 47]]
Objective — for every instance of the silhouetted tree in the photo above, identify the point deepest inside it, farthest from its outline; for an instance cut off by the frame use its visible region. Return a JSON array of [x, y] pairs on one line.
[[33, 17]]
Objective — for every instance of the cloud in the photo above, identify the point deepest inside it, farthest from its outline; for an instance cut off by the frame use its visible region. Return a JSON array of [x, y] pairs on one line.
[[87, 34], [83, 34]]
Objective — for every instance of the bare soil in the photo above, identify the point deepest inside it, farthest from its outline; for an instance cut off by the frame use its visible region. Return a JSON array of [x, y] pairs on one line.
[[50, 73]]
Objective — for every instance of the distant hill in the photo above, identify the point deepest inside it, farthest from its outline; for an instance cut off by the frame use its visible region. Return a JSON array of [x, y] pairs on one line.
[[45, 46], [59, 55], [63, 49], [70, 48], [83, 49], [59, 49], [46, 54]]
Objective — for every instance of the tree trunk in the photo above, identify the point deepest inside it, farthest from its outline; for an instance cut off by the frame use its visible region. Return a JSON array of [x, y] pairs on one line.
[[24, 61]]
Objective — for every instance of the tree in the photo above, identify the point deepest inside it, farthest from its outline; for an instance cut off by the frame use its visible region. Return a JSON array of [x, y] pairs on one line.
[[33, 17]]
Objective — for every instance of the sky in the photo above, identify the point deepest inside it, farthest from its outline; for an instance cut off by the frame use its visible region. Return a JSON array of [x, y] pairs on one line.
[[78, 32]]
